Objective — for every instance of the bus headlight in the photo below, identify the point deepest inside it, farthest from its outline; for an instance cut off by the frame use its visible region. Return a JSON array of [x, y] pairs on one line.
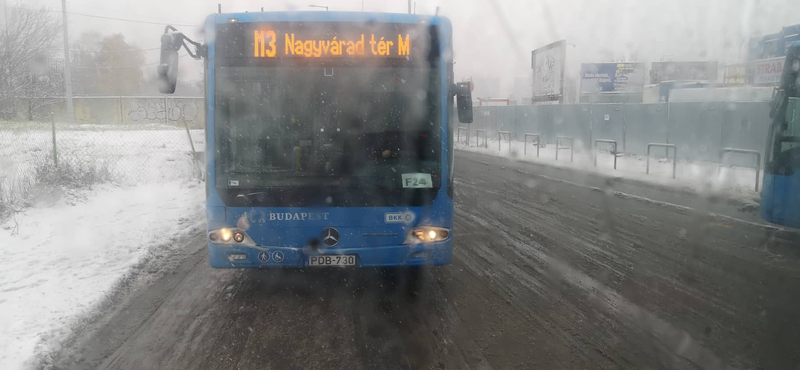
[[233, 237], [427, 234], [225, 235]]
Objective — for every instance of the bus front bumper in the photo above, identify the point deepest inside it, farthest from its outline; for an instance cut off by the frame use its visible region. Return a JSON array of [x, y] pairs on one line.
[[424, 254]]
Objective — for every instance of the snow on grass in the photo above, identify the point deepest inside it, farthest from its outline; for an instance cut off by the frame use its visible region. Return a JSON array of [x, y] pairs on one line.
[[700, 177], [61, 254], [59, 261]]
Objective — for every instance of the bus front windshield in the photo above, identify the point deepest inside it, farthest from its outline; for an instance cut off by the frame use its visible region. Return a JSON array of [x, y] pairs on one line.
[[311, 127]]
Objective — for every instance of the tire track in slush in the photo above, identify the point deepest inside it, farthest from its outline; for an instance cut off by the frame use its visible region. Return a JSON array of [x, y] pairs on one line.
[[603, 299], [674, 287]]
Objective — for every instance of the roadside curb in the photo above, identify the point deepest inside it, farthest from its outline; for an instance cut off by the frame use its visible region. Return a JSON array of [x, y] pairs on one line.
[[741, 203]]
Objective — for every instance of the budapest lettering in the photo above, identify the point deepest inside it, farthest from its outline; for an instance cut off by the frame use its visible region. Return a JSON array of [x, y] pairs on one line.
[[298, 216]]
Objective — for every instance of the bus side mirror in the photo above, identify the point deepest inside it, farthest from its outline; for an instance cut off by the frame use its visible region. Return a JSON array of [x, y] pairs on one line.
[[168, 66], [464, 102]]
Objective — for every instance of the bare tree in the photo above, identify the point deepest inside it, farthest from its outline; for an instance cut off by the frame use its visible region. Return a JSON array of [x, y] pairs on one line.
[[26, 71], [107, 64], [43, 86]]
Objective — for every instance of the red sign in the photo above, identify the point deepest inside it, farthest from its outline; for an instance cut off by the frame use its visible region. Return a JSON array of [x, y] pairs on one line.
[[767, 71]]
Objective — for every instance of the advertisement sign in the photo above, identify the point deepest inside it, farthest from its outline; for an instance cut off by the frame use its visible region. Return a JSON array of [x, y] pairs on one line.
[[683, 71], [767, 71], [757, 72], [548, 71], [612, 77], [735, 74]]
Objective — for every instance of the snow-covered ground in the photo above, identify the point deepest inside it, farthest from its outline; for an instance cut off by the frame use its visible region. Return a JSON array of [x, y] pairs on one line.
[[701, 177], [61, 256]]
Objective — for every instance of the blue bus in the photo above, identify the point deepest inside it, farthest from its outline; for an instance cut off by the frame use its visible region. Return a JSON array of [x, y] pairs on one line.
[[780, 196], [329, 137]]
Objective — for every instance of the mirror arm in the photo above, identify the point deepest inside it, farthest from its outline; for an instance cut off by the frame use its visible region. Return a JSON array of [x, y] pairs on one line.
[[201, 51], [196, 44], [189, 51]]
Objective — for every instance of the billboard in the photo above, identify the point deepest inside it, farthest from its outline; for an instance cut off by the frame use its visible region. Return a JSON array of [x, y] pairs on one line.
[[683, 71], [767, 71], [757, 72], [547, 63], [735, 74], [612, 77]]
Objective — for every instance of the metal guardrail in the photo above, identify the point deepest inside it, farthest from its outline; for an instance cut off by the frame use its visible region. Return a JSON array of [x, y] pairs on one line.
[[571, 146], [538, 139], [742, 151], [458, 135], [674, 155], [500, 140], [485, 138], [613, 151]]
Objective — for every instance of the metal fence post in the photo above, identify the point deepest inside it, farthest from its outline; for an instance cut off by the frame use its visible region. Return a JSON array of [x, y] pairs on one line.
[[121, 115], [571, 146], [525, 151], [53, 130], [624, 134], [674, 156], [500, 139], [743, 151], [485, 138], [166, 112], [613, 151], [458, 135]]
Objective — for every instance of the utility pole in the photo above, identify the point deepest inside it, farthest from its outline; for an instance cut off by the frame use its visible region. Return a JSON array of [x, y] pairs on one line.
[[5, 14], [409, 6], [67, 67]]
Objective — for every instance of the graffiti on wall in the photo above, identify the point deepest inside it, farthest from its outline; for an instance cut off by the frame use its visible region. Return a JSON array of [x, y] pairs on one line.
[[155, 110]]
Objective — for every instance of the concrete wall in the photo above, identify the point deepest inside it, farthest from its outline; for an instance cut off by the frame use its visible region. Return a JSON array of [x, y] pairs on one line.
[[121, 110]]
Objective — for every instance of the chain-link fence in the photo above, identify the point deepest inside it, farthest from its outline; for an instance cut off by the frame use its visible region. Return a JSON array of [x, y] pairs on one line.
[[128, 141]]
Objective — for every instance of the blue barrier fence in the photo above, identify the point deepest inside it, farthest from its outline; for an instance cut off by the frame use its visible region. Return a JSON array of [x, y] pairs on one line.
[[698, 130]]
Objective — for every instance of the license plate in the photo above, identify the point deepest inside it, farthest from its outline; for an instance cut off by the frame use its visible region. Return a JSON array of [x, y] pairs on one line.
[[333, 260]]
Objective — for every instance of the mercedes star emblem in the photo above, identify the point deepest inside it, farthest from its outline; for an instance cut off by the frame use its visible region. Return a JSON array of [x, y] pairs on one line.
[[330, 237]]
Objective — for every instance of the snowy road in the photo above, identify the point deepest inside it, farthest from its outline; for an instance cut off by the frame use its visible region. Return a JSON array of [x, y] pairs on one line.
[[551, 270]]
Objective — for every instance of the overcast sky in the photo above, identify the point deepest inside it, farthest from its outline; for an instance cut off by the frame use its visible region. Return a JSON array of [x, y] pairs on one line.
[[493, 38]]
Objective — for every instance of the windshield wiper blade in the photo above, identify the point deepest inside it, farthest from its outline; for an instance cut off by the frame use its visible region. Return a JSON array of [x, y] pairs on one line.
[[260, 195]]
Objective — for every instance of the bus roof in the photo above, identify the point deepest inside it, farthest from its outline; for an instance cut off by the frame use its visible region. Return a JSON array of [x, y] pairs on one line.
[[325, 16]]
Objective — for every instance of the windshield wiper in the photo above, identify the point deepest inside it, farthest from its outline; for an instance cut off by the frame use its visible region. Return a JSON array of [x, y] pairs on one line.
[[260, 196]]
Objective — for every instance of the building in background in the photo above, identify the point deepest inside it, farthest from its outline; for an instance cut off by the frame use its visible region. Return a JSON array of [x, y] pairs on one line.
[[765, 59], [774, 45], [521, 93]]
